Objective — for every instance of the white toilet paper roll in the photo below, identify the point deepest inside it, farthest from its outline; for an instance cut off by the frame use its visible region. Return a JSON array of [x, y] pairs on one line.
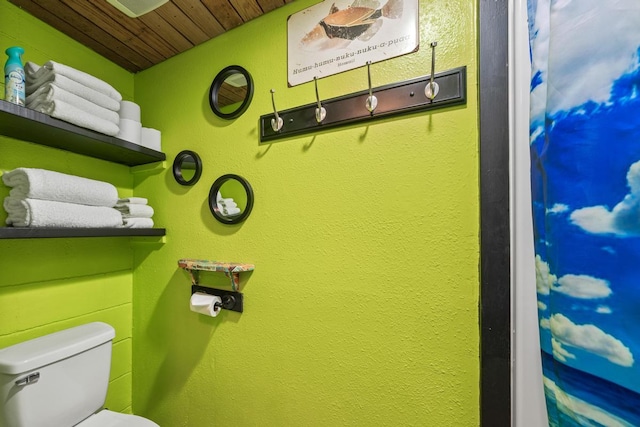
[[130, 130], [129, 110], [205, 304], [151, 138]]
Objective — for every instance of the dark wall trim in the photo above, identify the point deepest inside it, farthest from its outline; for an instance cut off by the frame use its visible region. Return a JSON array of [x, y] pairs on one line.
[[495, 298]]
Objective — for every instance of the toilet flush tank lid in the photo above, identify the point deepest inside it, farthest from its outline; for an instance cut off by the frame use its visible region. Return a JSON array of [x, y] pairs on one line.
[[42, 351]]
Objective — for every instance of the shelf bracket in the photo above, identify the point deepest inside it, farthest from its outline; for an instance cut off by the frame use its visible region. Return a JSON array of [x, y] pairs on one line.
[[195, 276], [234, 278]]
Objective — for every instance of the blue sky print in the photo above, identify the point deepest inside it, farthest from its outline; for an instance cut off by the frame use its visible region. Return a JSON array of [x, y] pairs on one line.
[[585, 180]]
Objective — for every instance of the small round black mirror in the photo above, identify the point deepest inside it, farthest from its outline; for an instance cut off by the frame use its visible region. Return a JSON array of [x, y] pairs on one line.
[[231, 199], [231, 92], [187, 167]]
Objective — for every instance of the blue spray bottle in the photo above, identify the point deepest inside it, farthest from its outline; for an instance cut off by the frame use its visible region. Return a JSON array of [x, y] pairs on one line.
[[14, 76]]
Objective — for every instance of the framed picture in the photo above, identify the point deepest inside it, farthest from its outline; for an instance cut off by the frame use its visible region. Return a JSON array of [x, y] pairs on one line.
[[336, 36]]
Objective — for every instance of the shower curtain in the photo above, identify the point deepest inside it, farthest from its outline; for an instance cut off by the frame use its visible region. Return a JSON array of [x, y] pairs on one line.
[[585, 180]]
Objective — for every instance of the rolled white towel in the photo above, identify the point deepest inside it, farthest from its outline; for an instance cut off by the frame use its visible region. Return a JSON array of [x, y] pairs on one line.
[[67, 112], [51, 92], [133, 200], [151, 138], [46, 213], [228, 204], [219, 198], [228, 211], [130, 130], [49, 185], [34, 74], [137, 223], [133, 210], [77, 89], [129, 110]]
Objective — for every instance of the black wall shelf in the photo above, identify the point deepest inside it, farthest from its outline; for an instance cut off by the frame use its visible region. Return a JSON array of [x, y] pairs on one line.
[[393, 99], [32, 233], [29, 125]]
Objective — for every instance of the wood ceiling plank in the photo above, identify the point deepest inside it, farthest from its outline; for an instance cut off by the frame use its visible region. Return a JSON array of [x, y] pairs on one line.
[[80, 22], [114, 27], [139, 30], [159, 25], [61, 25], [247, 9], [269, 5], [181, 22], [201, 17], [138, 43], [224, 13]]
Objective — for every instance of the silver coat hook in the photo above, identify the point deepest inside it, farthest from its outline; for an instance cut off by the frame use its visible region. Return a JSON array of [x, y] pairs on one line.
[[432, 88], [372, 101], [321, 113], [276, 123]]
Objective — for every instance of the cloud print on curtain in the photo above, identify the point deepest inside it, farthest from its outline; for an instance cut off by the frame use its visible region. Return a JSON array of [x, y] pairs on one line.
[[585, 179]]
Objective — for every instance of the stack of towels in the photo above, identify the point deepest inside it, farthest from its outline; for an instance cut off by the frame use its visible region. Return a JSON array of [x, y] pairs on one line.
[[43, 198], [136, 213], [72, 95], [227, 207]]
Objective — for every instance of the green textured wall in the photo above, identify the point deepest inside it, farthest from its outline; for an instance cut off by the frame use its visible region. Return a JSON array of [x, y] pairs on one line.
[[362, 309], [51, 284]]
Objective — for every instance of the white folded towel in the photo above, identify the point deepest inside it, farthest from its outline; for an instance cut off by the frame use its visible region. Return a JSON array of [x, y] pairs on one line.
[[50, 92], [137, 223], [36, 75], [133, 200], [133, 210], [47, 213], [228, 204], [49, 185], [67, 112], [219, 198], [228, 211], [76, 88]]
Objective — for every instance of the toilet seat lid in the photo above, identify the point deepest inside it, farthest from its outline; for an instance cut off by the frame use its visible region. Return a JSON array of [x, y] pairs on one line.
[[106, 418]]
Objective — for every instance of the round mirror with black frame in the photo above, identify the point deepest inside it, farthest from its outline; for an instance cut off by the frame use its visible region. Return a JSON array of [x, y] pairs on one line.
[[231, 92], [187, 167], [231, 199]]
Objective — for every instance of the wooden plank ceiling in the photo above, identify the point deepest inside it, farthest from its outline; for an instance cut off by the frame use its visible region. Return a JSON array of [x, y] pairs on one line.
[[139, 43]]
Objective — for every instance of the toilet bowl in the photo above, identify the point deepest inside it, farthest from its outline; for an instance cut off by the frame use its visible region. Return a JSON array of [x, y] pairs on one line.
[[61, 380]]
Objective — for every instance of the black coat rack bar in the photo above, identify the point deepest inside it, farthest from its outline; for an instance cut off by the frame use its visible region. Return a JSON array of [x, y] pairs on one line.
[[393, 99]]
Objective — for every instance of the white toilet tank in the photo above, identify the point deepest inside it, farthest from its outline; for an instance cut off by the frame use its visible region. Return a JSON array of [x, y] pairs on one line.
[[56, 380]]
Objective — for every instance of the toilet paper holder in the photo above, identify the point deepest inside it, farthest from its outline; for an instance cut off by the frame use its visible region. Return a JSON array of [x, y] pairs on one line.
[[233, 301]]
